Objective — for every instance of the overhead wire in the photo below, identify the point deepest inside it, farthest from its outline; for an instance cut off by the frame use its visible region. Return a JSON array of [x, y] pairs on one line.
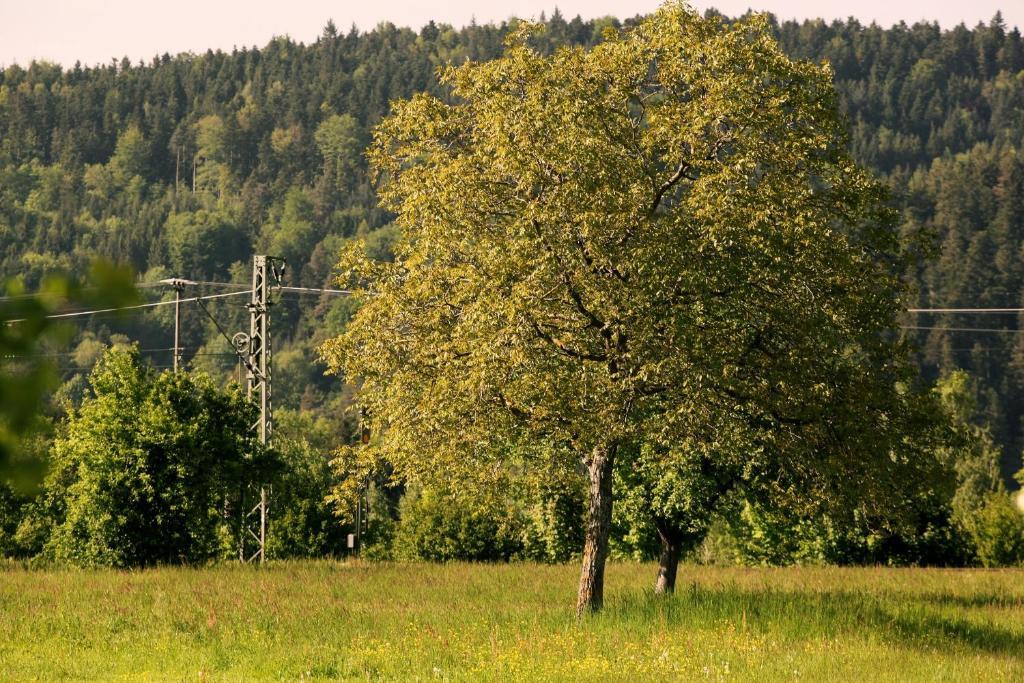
[[134, 307], [67, 354], [207, 283], [137, 285], [310, 290], [73, 353], [317, 290], [204, 283], [965, 310], [959, 329], [137, 309], [298, 291], [323, 290]]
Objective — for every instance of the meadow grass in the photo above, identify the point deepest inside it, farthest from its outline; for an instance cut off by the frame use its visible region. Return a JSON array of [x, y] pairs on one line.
[[328, 620]]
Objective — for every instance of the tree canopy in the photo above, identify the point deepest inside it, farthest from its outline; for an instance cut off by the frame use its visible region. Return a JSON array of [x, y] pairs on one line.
[[97, 160], [660, 241]]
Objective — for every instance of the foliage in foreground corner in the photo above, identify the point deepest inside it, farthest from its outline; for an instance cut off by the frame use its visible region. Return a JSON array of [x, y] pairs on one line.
[[27, 330]]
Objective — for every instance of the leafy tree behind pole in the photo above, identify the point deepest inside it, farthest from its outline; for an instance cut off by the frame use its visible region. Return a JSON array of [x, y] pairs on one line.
[[99, 160], [140, 472]]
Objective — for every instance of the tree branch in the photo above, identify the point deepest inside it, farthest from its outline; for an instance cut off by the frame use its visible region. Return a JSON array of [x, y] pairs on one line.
[[573, 353], [563, 274], [679, 174]]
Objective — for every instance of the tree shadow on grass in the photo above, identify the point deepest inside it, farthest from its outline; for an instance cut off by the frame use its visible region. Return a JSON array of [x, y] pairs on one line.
[[977, 601], [918, 621]]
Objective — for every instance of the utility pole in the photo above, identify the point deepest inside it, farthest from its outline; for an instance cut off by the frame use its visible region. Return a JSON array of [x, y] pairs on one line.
[[264, 269], [178, 284], [254, 352]]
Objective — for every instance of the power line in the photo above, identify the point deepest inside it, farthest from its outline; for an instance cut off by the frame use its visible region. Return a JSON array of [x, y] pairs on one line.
[[72, 353], [311, 290], [317, 290], [210, 283], [965, 310], [137, 306], [959, 329], [207, 283], [137, 285]]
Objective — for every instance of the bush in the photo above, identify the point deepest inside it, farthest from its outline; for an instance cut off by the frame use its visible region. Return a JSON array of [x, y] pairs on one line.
[[140, 469], [381, 522], [17, 502], [775, 537], [11, 514], [302, 523], [554, 523], [997, 531], [445, 526]]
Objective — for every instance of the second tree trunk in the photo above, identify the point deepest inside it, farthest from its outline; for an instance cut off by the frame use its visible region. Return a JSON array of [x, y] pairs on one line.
[[668, 563]]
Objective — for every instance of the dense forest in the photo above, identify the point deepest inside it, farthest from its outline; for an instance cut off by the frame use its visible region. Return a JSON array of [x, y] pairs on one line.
[[187, 165]]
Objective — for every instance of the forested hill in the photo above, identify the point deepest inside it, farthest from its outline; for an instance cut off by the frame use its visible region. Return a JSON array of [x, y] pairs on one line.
[[189, 164]]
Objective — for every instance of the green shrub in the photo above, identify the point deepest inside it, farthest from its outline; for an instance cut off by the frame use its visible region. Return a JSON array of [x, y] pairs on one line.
[[381, 523], [140, 470], [997, 530], [554, 522], [11, 513], [302, 523], [775, 537], [444, 526]]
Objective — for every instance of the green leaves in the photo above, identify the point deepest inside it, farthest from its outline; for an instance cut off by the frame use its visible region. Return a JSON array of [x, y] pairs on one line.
[[140, 472], [658, 243], [26, 330]]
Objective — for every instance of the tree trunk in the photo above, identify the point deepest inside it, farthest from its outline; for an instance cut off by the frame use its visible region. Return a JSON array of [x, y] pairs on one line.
[[599, 521], [668, 564]]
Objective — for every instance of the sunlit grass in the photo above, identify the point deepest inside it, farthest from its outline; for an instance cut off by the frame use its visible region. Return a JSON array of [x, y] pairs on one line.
[[322, 620]]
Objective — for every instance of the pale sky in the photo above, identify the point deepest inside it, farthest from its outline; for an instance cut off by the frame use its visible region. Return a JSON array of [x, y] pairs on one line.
[[95, 31]]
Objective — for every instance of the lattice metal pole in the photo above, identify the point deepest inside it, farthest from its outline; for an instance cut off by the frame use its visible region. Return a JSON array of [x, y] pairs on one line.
[[259, 346], [258, 389]]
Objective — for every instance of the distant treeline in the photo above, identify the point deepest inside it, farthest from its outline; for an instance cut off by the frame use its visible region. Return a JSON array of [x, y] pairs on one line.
[[187, 165]]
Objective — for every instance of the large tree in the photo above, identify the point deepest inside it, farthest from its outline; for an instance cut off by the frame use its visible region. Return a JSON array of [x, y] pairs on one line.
[[659, 242]]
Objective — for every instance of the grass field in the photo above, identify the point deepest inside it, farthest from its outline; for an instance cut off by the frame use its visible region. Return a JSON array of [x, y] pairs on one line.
[[324, 620]]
